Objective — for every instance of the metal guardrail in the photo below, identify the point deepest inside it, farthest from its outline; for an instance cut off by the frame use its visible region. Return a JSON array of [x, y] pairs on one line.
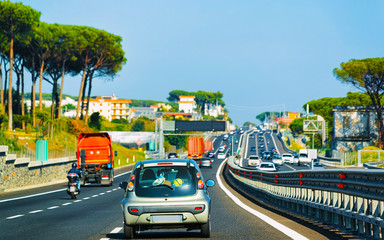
[[373, 165], [284, 144], [348, 199]]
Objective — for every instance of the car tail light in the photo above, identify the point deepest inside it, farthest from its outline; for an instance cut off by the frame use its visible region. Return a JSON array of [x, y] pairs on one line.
[[198, 175], [130, 186], [134, 210], [198, 208], [132, 177], [104, 177], [200, 184], [165, 163], [200, 161]]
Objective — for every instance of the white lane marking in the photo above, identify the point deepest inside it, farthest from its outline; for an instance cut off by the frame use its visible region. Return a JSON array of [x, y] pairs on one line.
[[109, 191], [104, 238], [78, 200], [294, 169], [115, 189], [95, 195], [36, 211], [102, 193], [274, 143], [65, 204], [86, 198], [29, 196], [16, 216], [287, 231], [53, 207], [122, 174], [116, 230]]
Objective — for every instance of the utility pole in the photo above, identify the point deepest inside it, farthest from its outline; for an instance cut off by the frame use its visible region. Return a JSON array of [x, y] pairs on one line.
[[161, 145]]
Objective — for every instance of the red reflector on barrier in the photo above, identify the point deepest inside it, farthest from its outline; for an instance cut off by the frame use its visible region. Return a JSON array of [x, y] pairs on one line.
[[261, 174], [301, 182], [250, 173], [301, 175], [341, 185], [261, 179], [342, 176], [276, 175], [276, 181]]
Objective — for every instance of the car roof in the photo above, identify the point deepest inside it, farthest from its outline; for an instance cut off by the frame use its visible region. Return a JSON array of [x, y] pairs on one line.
[[172, 161]]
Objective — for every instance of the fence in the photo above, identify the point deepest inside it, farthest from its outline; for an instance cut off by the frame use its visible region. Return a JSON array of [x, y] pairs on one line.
[[347, 199]]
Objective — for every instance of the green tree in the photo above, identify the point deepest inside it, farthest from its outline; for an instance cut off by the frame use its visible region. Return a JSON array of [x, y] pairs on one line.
[[367, 75], [138, 126], [297, 126], [16, 19], [262, 116], [95, 121]]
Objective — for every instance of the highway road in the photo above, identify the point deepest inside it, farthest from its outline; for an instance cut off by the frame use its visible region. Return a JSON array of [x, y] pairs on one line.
[[49, 213]]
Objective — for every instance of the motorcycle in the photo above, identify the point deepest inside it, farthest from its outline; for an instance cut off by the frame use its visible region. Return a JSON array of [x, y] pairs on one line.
[[72, 189]]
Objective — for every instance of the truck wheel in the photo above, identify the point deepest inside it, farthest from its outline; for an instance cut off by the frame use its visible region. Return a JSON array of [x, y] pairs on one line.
[[206, 230], [129, 232]]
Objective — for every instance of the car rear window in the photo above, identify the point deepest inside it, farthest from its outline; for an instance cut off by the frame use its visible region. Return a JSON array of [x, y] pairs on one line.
[[165, 181]]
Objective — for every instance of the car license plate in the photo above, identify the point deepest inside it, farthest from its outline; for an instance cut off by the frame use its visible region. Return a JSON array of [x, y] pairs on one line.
[[166, 218], [72, 188]]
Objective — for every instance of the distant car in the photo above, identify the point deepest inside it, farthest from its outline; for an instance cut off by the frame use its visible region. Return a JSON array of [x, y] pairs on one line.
[[261, 139], [211, 154], [295, 159], [287, 157], [163, 194], [225, 138], [251, 136], [261, 146], [172, 155], [267, 155], [204, 162], [276, 159], [267, 166], [221, 149], [253, 161], [221, 156], [253, 149], [318, 166]]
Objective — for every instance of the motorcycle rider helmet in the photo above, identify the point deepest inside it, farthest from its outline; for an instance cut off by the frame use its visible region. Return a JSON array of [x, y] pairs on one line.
[[74, 165]]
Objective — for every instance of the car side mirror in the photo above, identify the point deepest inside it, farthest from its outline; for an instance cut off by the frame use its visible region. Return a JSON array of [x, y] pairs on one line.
[[210, 183], [123, 185]]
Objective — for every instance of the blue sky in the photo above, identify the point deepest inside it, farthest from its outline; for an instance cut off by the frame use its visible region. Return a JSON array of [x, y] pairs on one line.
[[262, 55]]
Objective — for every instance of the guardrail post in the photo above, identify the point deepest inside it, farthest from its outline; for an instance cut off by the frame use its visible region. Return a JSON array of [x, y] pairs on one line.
[[376, 210], [360, 210], [368, 211]]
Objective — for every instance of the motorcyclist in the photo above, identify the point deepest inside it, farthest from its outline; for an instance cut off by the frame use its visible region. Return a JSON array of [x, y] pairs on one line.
[[74, 169]]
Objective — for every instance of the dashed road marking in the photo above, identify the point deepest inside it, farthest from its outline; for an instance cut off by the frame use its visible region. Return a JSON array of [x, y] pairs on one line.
[[102, 193], [95, 195], [116, 230], [53, 207], [36, 211], [78, 200], [86, 198], [16, 216], [109, 191], [65, 204]]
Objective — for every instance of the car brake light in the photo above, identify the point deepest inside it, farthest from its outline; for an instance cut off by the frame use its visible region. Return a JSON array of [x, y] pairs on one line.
[[200, 161], [105, 176], [200, 184], [132, 177], [198, 208], [198, 175], [166, 163], [134, 210]]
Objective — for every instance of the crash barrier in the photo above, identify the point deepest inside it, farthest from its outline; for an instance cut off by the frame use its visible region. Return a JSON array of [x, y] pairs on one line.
[[373, 165], [346, 199], [286, 149], [18, 173], [330, 162]]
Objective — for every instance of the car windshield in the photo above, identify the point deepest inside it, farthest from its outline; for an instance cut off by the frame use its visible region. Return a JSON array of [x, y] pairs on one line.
[[165, 181]]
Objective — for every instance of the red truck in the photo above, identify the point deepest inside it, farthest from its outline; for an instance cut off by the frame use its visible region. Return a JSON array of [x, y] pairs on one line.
[[195, 147], [95, 158]]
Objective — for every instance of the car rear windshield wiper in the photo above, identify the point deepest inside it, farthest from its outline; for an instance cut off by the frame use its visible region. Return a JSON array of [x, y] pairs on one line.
[[164, 185]]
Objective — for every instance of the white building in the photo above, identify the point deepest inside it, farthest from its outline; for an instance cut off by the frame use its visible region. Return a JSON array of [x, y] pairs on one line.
[[110, 107], [187, 104], [213, 110]]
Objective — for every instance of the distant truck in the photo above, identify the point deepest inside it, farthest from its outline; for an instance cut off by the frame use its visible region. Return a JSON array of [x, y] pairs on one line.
[[307, 155], [95, 158], [196, 147]]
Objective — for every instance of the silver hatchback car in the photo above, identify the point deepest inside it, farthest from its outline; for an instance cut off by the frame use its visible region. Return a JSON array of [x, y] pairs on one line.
[[163, 194]]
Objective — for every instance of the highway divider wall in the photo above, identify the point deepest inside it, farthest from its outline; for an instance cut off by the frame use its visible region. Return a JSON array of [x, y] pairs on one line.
[[18, 173], [349, 199]]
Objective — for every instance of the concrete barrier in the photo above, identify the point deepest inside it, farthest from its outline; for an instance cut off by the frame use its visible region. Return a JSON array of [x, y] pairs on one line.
[[18, 173]]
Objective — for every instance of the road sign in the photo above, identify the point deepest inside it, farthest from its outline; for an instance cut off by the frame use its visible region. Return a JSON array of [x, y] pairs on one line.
[[312, 125], [203, 126], [139, 142]]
